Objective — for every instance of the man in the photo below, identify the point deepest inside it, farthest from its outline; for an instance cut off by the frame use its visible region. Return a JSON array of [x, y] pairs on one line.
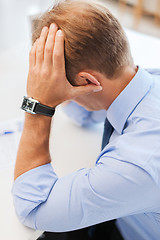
[[99, 74]]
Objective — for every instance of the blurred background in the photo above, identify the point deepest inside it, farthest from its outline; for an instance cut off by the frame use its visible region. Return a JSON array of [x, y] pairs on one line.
[[141, 15], [14, 19]]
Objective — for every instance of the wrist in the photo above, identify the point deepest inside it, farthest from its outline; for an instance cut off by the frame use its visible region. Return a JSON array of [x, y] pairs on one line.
[[33, 118], [37, 128]]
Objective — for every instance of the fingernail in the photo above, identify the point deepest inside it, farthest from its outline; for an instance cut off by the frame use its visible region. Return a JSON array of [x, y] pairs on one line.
[[98, 89], [45, 29], [59, 33], [53, 26]]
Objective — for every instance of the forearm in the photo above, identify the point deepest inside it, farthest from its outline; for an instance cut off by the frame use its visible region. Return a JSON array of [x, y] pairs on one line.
[[80, 199], [34, 144]]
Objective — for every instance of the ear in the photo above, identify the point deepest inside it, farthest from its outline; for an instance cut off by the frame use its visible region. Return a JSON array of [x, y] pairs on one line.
[[84, 78]]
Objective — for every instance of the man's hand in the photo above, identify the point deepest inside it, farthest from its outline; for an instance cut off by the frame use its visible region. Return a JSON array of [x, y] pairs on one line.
[[48, 84], [47, 80]]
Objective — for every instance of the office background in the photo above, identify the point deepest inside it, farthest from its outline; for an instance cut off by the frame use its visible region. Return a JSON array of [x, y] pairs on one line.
[[142, 15], [15, 16]]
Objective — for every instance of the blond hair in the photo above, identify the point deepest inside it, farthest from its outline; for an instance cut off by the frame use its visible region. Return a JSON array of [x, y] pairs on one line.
[[94, 39]]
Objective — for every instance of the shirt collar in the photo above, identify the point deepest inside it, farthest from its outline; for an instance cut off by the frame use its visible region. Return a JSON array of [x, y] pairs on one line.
[[128, 99]]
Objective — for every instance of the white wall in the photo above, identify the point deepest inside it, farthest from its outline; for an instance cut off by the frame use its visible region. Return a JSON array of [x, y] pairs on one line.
[[14, 22]]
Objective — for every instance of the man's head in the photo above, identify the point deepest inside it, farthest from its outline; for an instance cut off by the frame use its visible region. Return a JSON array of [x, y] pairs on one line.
[[94, 39]]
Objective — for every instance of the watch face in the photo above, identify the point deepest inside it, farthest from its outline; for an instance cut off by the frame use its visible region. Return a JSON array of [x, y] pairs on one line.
[[29, 104]]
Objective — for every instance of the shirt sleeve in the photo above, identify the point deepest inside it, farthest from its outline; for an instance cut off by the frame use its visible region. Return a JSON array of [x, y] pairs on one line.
[[81, 116], [154, 71], [112, 189]]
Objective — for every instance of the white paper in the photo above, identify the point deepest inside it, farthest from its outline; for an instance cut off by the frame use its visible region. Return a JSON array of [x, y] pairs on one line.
[[9, 142]]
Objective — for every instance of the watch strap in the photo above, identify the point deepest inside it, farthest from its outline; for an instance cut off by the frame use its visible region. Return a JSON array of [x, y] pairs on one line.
[[44, 110]]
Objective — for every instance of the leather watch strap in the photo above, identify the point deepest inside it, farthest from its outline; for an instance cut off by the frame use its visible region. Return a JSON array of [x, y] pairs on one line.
[[44, 110]]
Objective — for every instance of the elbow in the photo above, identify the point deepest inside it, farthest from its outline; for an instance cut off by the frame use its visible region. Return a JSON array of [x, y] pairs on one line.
[[26, 212], [30, 190]]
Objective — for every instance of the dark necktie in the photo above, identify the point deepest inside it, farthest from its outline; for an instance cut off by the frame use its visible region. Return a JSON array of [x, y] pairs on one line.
[[108, 129]]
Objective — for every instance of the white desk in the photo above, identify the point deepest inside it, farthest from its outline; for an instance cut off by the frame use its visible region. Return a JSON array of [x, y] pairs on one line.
[[13, 74]]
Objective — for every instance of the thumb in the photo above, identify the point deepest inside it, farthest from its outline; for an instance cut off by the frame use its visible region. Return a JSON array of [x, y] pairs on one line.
[[86, 89]]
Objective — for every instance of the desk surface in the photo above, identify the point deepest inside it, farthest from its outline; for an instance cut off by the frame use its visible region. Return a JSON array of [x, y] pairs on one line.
[[13, 75]]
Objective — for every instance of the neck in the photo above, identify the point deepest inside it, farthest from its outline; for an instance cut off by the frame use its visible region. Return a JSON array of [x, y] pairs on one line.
[[112, 88]]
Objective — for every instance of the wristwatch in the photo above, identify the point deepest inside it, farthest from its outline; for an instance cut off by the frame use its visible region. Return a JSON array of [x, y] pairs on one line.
[[33, 106]]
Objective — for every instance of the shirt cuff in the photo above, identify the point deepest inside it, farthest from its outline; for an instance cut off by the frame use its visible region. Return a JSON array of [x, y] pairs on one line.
[[77, 113]]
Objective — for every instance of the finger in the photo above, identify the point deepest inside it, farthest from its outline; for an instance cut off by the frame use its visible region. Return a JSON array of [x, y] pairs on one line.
[[32, 55], [48, 53], [58, 52], [83, 90], [41, 46]]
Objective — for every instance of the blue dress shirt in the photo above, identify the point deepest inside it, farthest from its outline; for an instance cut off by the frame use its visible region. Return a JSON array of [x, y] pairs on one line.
[[125, 182]]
